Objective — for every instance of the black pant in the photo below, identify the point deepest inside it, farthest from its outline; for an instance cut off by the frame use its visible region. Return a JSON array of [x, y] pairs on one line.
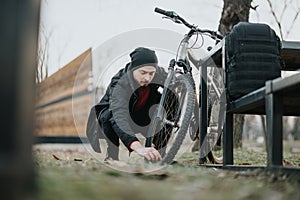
[[110, 136], [159, 140]]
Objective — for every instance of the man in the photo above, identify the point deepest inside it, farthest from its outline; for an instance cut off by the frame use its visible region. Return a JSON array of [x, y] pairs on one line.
[[127, 106]]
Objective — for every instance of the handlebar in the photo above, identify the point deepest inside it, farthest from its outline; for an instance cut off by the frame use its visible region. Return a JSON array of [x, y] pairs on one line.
[[176, 18], [170, 14]]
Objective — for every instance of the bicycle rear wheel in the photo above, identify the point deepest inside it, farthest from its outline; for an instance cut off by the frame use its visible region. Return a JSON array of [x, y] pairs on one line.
[[171, 129], [216, 111]]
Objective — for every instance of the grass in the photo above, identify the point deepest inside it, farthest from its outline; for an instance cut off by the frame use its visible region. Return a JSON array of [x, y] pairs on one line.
[[70, 173]]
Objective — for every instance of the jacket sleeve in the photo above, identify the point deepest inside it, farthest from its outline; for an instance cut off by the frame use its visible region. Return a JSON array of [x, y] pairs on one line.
[[119, 107]]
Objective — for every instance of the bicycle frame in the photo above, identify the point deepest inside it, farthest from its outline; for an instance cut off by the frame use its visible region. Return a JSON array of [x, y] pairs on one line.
[[183, 58]]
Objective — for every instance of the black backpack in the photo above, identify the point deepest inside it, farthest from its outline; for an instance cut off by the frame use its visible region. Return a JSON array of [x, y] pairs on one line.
[[252, 58]]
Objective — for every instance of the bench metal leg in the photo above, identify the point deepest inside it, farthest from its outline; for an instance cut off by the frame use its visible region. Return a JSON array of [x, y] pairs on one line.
[[274, 114], [203, 115], [228, 140]]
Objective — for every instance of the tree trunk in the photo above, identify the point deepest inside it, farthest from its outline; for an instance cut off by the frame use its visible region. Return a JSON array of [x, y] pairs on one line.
[[235, 11], [238, 130], [296, 129], [264, 129]]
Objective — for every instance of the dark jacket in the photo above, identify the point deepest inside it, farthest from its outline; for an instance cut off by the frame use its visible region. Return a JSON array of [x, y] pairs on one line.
[[120, 99]]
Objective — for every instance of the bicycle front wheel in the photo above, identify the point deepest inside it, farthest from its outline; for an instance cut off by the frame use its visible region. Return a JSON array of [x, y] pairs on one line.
[[171, 128]]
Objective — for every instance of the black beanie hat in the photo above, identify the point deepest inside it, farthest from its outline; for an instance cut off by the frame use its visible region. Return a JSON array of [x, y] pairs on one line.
[[142, 57]]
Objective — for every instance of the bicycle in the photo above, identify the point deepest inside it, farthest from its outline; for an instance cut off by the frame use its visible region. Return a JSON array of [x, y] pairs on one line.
[[178, 110]]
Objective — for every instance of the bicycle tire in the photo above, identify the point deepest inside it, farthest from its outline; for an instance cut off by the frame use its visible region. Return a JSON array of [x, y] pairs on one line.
[[215, 125], [215, 138], [167, 138]]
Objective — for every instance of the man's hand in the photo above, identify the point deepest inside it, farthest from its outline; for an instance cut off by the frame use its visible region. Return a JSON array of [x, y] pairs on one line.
[[150, 153]]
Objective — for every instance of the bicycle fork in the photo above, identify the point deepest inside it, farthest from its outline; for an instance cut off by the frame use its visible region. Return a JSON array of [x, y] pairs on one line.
[[158, 117]]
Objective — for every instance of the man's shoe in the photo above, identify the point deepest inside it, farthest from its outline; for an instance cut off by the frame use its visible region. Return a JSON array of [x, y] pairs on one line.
[[112, 151], [109, 159]]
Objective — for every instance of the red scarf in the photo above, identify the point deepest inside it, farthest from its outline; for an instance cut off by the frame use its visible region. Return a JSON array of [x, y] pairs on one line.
[[143, 93]]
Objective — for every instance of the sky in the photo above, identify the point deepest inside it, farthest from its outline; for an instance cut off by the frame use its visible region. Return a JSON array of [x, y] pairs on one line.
[[73, 26]]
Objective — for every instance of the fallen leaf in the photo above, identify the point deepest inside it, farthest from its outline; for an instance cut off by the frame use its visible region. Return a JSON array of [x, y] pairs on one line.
[[56, 158], [287, 163], [245, 163]]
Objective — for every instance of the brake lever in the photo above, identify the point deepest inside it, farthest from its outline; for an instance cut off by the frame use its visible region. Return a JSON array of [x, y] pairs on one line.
[[174, 19]]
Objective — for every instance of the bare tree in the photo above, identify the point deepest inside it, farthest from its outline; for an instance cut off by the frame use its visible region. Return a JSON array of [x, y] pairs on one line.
[[278, 16], [43, 54]]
